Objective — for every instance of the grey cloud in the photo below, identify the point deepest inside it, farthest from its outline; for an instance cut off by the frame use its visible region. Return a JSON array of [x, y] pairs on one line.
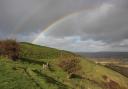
[[109, 27], [34, 15]]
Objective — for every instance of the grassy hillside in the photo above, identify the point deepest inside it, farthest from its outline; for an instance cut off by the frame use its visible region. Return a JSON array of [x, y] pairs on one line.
[[41, 52], [118, 68], [28, 73]]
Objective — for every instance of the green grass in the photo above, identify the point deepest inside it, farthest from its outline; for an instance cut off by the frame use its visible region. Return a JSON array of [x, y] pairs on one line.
[[14, 79], [28, 73], [32, 51]]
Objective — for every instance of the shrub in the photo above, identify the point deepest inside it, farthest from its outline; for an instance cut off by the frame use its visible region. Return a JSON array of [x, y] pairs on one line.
[[10, 49], [70, 65]]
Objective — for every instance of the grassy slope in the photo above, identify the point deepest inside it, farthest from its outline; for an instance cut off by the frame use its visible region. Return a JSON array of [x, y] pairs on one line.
[[118, 68], [28, 73]]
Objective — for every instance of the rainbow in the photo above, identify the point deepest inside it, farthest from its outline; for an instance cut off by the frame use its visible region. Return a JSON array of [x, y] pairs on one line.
[[104, 8], [56, 23], [42, 34]]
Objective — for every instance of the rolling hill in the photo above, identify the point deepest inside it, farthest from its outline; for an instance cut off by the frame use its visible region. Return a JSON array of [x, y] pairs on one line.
[[28, 72]]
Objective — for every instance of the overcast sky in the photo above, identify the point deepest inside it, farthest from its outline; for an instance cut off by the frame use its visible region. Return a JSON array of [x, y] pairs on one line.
[[74, 25]]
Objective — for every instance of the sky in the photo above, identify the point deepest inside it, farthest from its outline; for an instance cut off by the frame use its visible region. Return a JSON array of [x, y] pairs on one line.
[[73, 25]]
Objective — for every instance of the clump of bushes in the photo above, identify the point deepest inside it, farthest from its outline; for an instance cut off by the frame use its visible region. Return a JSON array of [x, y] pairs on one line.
[[9, 48], [71, 66]]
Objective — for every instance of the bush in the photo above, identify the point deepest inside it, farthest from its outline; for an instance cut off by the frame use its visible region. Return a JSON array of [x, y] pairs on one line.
[[70, 65], [10, 49]]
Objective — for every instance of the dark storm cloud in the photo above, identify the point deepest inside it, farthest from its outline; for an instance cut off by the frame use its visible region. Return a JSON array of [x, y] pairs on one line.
[[109, 23], [28, 16]]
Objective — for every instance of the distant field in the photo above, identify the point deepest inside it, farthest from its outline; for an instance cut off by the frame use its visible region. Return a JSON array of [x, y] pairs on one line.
[[104, 54], [117, 58]]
